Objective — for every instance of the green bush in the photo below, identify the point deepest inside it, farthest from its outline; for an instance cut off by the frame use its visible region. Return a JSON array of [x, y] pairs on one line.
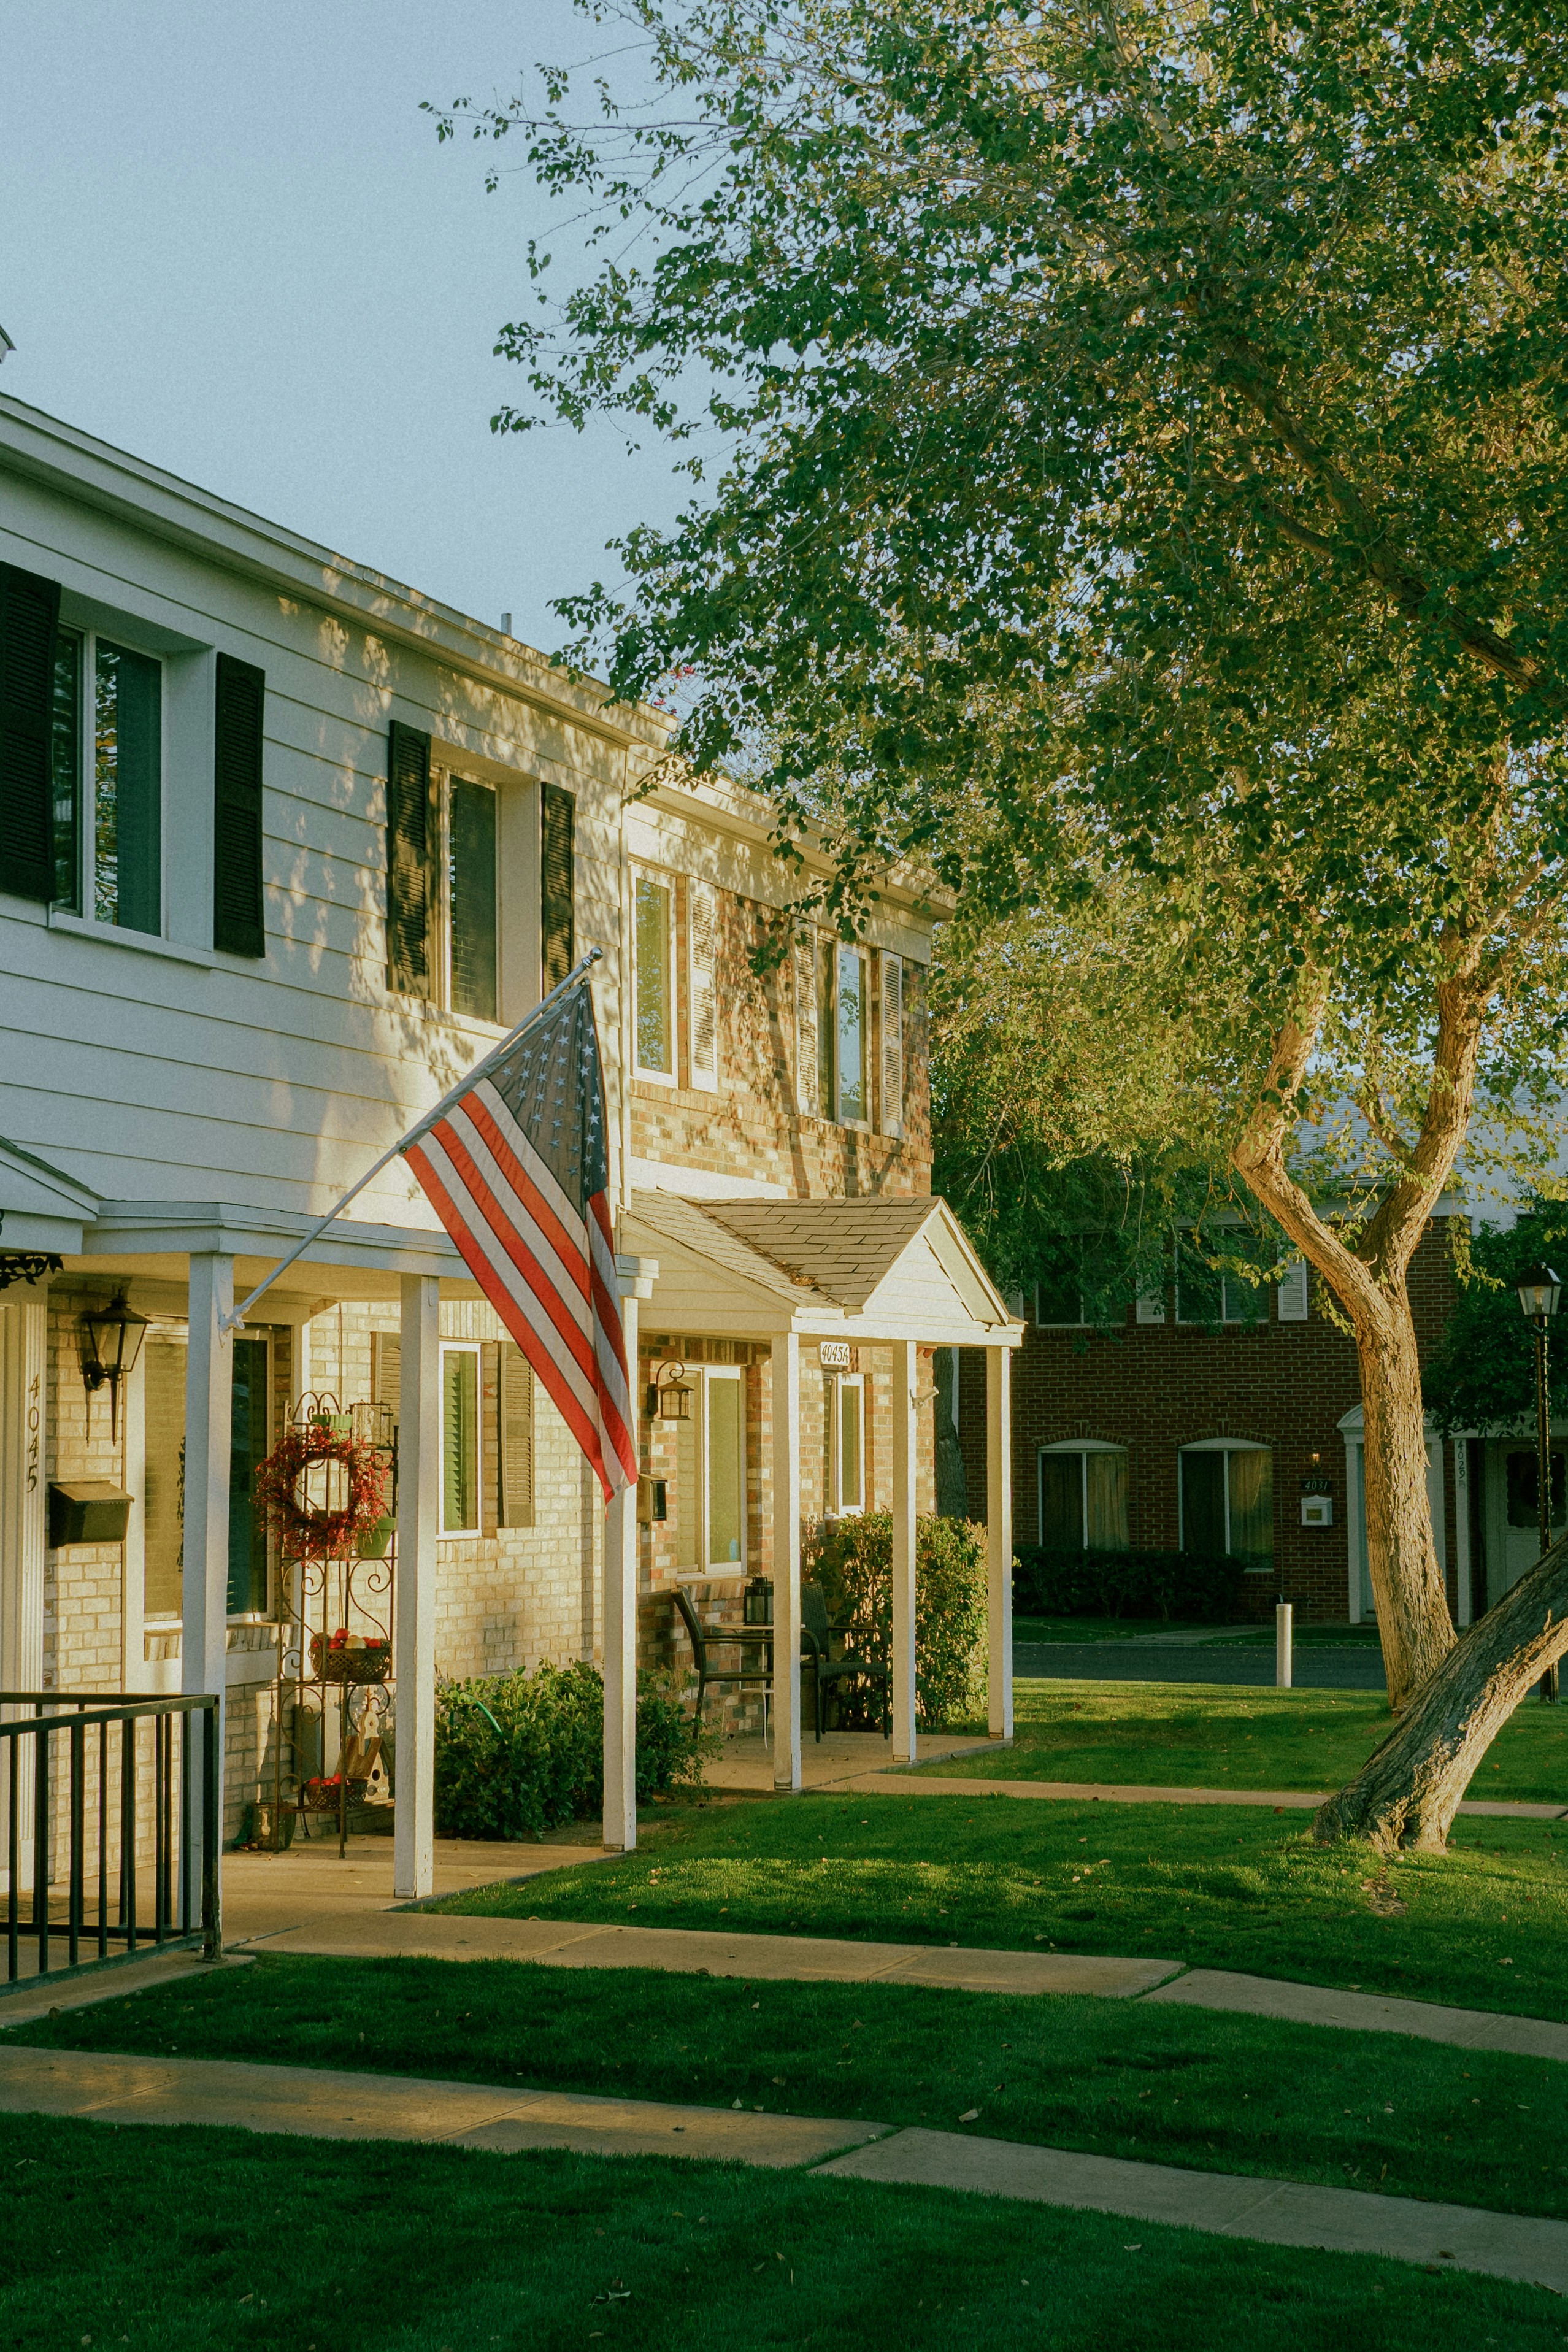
[[1203, 1586], [520, 1754], [852, 1559]]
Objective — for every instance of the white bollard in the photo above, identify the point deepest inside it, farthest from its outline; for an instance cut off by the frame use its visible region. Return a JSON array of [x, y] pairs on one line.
[[1282, 1645]]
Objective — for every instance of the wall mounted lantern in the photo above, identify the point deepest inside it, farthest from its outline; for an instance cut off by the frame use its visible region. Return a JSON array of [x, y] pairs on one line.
[[670, 1398], [109, 1340]]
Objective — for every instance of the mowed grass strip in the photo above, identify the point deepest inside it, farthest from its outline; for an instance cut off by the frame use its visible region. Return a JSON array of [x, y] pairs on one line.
[[1483, 1925], [196, 2240], [1217, 1735], [1176, 2086]]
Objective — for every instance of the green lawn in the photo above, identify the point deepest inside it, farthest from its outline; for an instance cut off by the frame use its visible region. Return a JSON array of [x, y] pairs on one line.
[[1167, 2085], [1209, 1735], [199, 2240], [1217, 1887]]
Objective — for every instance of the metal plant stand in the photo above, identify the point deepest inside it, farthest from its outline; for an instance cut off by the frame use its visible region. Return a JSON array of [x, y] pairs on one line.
[[334, 1653]]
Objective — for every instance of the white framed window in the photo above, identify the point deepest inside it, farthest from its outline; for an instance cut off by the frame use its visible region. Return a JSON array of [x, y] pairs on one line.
[[653, 951], [846, 1444], [711, 1473], [703, 983], [108, 765], [1208, 1294], [852, 1037], [471, 922], [460, 1452], [833, 1031], [1227, 1500], [1083, 1495]]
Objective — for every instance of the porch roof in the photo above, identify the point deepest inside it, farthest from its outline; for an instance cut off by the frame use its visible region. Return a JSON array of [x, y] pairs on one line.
[[853, 1269]]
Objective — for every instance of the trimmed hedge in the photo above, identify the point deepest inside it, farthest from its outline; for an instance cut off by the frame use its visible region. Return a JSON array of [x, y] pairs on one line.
[[1203, 1586], [520, 1754], [852, 1559]]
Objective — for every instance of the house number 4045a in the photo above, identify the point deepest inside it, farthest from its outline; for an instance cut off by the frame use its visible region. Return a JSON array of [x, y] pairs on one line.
[[834, 1355]]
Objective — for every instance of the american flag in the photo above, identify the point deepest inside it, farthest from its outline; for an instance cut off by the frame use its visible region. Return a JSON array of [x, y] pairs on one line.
[[517, 1168]]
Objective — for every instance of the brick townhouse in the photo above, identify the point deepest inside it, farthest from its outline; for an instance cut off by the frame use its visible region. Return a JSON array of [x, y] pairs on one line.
[[285, 848], [1221, 1417]]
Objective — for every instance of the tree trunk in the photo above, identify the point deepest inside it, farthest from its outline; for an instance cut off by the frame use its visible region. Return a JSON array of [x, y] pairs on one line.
[[1412, 1619], [1407, 1793]]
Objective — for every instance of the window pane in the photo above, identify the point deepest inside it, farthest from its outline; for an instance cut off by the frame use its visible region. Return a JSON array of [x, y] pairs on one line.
[[1203, 1502], [1251, 1505], [1057, 1299], [1524, 1489], [827, 1056], [688, 1500], [459, 1440], [127, 783], [851, 1474], [1199, 1290], [1105, 1480], [1061, 1501], [164, 1475], [247, 1447], [726, 1488], [67, 766], [851, 1034], [655, 1015], [471, 823], [1244, 1301]]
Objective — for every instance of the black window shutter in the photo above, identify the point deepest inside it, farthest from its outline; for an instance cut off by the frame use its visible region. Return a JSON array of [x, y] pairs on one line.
[[239, 926], [557, 932], [29, 623], [408, 860]]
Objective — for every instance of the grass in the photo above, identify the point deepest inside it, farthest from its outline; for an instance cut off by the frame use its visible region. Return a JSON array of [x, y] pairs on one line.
[[1172, 2086], [225, 2239], [1217, 1886], [1124, 1629], [1202, 1734]]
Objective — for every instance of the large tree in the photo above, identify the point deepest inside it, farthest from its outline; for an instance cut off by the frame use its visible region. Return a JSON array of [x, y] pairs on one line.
[[1142, 464]]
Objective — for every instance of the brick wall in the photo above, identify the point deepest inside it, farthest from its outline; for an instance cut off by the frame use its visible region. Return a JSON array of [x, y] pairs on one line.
[[1154, 1388]]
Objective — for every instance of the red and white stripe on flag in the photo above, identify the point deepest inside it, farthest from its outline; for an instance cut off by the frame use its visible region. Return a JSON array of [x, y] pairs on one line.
[[517, 1170]]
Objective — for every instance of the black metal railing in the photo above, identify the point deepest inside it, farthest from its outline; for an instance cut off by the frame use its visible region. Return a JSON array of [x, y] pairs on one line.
[[118, 1864]]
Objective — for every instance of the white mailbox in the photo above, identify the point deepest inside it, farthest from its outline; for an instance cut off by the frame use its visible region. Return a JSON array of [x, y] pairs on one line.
[[1317, 1510]]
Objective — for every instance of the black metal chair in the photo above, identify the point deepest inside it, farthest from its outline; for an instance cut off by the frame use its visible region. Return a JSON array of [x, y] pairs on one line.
[[705, 1639], [818, 1635]]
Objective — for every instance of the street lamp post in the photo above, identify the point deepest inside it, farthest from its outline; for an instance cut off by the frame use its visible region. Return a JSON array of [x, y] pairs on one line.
[[1539, 1293]]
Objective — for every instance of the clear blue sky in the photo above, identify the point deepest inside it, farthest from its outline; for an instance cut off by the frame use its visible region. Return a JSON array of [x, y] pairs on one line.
[[230, 243]]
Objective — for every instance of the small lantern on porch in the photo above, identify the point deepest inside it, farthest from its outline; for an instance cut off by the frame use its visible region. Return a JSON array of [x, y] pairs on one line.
[[109, 1340], [670, 1398]]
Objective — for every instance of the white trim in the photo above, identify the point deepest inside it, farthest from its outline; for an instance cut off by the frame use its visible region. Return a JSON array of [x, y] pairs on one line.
[[1293, 1298], [862, 1123], [710, 1374], [1083, 1447]]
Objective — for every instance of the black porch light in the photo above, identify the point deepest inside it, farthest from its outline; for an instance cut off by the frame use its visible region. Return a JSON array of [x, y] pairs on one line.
[[670, 1398], [109, 1340]]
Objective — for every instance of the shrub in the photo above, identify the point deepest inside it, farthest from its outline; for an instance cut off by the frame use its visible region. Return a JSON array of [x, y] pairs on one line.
[[1204, 1586], [852, 1559], [520, 1754]]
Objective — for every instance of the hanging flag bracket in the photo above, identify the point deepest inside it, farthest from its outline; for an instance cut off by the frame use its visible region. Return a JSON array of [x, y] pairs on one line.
[[585, 964]]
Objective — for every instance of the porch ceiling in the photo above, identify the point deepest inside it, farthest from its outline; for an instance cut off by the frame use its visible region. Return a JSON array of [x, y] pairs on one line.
[[860, 1270]]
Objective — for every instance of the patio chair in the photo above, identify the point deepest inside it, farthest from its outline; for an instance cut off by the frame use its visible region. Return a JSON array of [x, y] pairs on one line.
[[706, 1639], [818, 1635]]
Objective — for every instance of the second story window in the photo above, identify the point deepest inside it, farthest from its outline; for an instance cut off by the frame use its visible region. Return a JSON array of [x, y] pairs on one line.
[[653, 917], [471, 898], [108, 781]]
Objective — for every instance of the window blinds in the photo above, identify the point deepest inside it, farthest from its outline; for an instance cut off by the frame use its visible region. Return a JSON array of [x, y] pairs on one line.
[[516, 1408]]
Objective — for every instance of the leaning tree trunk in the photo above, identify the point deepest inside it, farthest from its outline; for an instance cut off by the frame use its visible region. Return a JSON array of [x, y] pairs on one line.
[[1412, 1619], [1406, 1794]]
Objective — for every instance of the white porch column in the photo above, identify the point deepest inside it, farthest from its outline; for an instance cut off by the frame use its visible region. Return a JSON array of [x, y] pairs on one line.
[[23, 1333], [419, 1496], [905, 1365], [203, 1592], [999, 1538], [787, 1563], [621, 1637]]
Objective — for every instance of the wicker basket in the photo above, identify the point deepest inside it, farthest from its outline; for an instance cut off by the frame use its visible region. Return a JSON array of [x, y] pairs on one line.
[[322, 1796], [336, 1663]]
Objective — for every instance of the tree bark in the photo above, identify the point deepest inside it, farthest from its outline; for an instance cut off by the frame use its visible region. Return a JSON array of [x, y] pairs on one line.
[[1406, 1794], [1413, 1620]]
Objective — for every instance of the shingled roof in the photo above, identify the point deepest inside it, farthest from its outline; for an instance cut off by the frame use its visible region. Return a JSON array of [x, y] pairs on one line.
[[843, 1248]]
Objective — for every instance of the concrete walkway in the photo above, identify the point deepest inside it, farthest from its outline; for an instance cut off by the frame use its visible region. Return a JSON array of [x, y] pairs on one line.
[[352, 2107], [922, 1783]]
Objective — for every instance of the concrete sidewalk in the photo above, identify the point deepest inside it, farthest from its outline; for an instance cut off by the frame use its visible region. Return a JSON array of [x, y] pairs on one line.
[[356, 2107], [903, 1782]]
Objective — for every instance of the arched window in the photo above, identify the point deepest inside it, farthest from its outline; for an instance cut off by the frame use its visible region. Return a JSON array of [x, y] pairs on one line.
[[1083, 1495]]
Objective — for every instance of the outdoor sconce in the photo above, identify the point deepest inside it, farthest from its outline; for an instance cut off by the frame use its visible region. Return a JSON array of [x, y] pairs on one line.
[[670, 1398], [109, 1340], [1538, 1292]]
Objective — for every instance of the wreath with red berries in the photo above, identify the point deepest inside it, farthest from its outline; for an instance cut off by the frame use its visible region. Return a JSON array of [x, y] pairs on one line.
[[306, 1528]]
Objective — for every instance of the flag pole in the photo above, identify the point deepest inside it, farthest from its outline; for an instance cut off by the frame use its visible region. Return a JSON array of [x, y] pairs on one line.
[[232, 1321]]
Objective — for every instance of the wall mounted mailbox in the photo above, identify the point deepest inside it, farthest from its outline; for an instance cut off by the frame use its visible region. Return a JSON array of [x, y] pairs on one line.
[[87, 1511]]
